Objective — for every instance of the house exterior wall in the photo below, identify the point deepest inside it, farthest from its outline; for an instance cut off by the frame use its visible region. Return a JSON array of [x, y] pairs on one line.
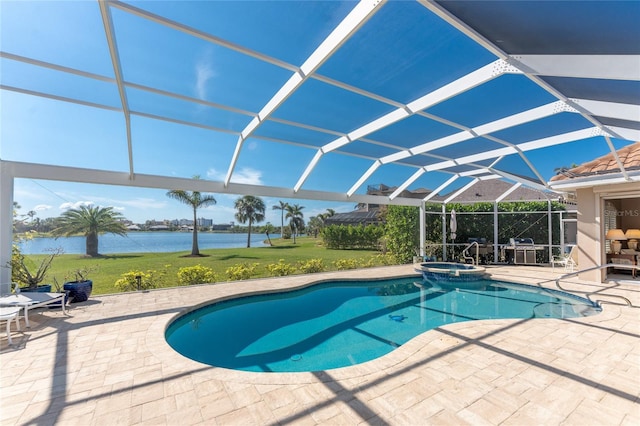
[[590, 245]]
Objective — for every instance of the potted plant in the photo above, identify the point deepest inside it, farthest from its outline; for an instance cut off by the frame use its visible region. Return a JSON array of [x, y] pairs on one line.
[[59, 289], [28, 273], [78, 285]]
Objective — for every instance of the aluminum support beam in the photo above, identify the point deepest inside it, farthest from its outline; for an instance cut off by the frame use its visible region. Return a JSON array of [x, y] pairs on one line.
[[609, 67], [103, 177], [6, 228], [360, 14], [610, 109], [483, 129], [423, 231], [495, 232], [461, 85], [117, 70]]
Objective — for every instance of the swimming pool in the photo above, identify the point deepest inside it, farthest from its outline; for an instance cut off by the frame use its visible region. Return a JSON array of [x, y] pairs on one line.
[[342, 323]]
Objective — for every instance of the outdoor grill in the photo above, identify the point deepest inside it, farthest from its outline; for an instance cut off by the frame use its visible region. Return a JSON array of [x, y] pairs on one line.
[[521, 251]]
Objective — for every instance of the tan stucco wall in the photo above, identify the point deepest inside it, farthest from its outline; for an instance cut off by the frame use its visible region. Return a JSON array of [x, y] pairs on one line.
[[590, 248]]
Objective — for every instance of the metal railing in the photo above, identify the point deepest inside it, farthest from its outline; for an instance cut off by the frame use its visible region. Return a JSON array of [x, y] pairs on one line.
[[599, 267], [465, 253]]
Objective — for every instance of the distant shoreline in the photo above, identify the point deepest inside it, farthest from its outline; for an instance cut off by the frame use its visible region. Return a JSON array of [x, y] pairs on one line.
[[144, 241]]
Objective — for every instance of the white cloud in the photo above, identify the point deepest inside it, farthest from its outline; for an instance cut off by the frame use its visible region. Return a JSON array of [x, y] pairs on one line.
[[248, 176], [214, 174], [245, 175], [204, 73], [42, 207], [77, 204]]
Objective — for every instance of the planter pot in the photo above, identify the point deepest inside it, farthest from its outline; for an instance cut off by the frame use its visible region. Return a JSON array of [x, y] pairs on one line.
[[42, 288], [79, 291]]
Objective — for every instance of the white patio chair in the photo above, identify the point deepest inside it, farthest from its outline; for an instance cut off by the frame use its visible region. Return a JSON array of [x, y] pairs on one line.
[[9, 314], [568, 260]]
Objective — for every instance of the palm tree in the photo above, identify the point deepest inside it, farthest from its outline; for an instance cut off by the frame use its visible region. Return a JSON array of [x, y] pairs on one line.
[[323, 216], [196, 200], [282, 207], [91, 222], [294, 214], [250, 209], [268, 229]]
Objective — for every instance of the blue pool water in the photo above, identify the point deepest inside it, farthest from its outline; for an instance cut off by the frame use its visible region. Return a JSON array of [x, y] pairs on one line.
[[338, 324]]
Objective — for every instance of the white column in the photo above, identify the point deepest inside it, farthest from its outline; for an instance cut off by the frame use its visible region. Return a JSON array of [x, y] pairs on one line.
[[550, 227], [6, 227], [495, 232], [444, 232], [423, 232]]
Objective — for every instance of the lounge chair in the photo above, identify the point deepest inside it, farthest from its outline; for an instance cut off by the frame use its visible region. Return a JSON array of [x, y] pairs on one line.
[[568, 260], [31, 300]]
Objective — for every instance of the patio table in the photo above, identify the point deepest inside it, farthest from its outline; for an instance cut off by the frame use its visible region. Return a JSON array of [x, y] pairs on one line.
[[32, 300]]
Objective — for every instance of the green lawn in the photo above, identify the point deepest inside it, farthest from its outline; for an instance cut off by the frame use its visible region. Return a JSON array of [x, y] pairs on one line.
[[107, 269]]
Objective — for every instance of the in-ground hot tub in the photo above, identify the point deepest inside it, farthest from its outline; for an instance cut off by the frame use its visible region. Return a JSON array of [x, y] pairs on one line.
[[452, 273]]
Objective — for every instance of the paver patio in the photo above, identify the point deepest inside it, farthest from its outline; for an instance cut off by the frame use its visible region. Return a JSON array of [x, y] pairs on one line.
[[107, 363]]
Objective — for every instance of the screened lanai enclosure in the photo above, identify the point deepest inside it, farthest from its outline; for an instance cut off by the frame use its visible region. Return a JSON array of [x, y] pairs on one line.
[[520, 233], [321, 97]]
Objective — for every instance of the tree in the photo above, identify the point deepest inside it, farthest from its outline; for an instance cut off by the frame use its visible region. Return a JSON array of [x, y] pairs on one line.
[[323, 216], [282, 207], [196, 200], [250, 209], [294, 214], [91, 222], [268, 229], [315, 225]]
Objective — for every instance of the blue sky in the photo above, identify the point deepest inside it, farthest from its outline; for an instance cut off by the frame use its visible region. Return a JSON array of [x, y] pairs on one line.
[[393, 55]]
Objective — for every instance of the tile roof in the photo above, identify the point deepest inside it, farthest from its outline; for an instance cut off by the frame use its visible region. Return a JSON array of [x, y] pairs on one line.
[[629, 157], [490, 190], [354, 218]]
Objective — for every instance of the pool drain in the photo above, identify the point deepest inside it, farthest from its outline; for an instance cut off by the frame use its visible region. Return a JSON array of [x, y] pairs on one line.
[[296, 357]]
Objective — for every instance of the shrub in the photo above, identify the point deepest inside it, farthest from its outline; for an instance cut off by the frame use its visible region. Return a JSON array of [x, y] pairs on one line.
[[197, 274], [286, 233], [149, 279], [280, 269], [312, 265], [342, 264], [382, 260], [402, 231], [352, 237], [242, 271]]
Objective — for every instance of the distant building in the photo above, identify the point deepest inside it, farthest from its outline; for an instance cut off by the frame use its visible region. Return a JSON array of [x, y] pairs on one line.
[[205, 223], [482, 191], [222, 226], [367, 214], [357, 217]]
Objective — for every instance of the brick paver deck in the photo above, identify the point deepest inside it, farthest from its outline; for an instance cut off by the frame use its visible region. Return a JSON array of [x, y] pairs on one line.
[[107, 363]]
